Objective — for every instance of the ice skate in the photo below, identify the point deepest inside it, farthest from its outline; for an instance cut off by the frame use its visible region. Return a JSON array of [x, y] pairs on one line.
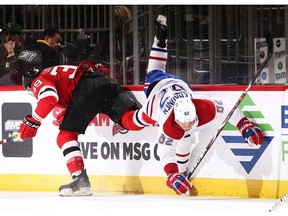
[[79, 186], [162, 30]]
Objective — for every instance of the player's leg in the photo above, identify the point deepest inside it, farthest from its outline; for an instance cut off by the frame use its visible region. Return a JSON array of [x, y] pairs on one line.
[[162, 31], [80, 184], [158, 52], [76, 119]]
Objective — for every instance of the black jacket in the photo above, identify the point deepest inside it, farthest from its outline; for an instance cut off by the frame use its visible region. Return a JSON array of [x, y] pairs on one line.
[[50, 56]]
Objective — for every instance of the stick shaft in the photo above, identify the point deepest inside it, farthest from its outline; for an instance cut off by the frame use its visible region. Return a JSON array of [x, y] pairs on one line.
[[270, 53], [9, 138]]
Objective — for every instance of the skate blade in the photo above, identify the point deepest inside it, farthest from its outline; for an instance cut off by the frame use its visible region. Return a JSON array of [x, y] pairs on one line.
[[70, 193]]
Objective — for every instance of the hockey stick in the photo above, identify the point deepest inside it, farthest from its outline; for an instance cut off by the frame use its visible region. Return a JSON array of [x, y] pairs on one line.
[[279, 202], [12, 137], [270, 53]]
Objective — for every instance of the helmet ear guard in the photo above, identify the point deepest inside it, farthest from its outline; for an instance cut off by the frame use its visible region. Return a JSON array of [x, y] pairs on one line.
[[184, 110]]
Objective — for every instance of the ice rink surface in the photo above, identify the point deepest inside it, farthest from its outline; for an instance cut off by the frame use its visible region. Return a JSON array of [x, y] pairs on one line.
[[100, 204]]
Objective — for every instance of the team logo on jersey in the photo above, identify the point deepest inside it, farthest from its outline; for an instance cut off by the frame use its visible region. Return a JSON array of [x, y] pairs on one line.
[[249, 155]]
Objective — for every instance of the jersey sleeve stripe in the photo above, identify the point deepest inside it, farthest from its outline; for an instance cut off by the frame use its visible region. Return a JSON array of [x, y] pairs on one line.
[[45, 92]]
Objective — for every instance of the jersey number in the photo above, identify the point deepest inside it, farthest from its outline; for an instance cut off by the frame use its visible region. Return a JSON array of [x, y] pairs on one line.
[[219, 105], [66, 69], [165, 140]]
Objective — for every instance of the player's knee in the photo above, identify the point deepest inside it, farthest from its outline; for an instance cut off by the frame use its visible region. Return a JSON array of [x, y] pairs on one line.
[[66, 136]]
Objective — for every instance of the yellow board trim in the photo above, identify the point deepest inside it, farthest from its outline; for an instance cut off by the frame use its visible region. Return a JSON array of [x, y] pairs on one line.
[[148, 185]]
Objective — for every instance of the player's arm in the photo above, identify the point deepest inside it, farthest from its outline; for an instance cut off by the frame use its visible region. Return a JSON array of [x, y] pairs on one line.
[[47, 99], [248, 129], [167, 153]]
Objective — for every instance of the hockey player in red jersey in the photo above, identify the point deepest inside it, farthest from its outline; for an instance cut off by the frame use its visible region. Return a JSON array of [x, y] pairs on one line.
[[83, 92], [179, 112]]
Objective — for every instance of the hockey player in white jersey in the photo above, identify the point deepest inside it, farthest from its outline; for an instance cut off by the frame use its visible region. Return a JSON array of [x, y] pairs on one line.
[[179, 112]]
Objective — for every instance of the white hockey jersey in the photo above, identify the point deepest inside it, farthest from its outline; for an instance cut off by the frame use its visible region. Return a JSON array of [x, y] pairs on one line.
[[164, 89]]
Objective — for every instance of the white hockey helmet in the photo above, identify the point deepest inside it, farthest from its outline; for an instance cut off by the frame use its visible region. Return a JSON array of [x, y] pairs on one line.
[[184, 110]]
